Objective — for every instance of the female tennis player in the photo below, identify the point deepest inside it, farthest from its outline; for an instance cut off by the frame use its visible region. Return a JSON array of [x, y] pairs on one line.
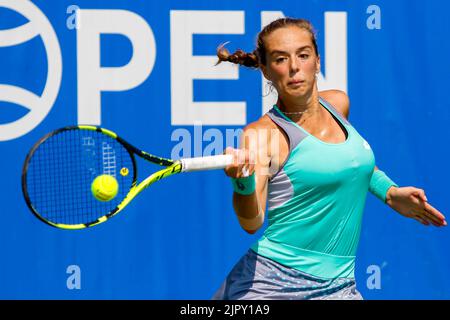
[[313, 169]]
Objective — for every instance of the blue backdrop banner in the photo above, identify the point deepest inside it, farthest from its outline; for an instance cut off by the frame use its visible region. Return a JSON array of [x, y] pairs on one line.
[[145, 69]]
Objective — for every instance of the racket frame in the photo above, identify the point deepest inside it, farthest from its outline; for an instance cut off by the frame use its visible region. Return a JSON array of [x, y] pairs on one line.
[[172, 167]]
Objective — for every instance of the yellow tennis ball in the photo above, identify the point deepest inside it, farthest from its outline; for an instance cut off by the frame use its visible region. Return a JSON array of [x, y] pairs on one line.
[[104, 187]]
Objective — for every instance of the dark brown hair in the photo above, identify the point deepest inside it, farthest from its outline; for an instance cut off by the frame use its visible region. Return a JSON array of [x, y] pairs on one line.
[[258, 57]]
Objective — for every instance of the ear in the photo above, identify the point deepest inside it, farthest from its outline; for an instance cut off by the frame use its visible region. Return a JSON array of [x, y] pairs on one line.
[[264, 72], [318, 64]]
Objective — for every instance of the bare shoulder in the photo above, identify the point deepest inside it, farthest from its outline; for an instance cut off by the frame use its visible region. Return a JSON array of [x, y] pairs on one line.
[[338, 99], [262, 123], [258, 134]]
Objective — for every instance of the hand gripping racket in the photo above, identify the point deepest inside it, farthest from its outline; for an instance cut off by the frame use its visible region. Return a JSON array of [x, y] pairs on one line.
[[59, 170]]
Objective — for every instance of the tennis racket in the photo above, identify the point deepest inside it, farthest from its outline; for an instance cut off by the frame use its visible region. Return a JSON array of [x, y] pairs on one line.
[[60, 168]]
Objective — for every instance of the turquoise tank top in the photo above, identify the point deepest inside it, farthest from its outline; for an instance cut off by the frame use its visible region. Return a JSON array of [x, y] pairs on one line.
[[316, 200]]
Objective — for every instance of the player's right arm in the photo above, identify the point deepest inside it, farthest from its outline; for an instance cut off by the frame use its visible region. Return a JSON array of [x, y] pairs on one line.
[[254, 155]]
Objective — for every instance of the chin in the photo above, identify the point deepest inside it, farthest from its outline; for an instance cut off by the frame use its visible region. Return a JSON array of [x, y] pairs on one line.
[[298, 93]]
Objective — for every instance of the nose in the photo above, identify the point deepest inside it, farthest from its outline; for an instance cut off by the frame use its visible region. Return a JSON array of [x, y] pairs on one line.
[[294, 65]]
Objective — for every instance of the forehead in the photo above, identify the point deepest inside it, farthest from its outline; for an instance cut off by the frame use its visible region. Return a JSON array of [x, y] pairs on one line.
[[287, 38]]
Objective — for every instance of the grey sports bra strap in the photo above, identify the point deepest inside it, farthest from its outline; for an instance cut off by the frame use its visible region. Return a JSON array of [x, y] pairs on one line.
[[295, 135], [335, 111]]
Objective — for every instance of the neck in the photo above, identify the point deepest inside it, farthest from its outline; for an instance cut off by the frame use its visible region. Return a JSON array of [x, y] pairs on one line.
[[305, 105]]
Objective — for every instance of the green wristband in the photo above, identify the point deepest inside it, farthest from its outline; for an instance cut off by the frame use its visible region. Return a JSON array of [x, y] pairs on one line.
[[244, 186], [380, 184]]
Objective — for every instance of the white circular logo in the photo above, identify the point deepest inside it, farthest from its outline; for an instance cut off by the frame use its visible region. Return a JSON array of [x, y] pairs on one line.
[[39, 106], [366, 145]]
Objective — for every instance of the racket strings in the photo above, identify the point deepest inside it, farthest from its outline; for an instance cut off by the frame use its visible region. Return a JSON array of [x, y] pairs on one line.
[[62, 169]]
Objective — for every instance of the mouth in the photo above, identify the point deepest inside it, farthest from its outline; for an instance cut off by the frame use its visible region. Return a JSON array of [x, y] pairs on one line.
[[296, 82]]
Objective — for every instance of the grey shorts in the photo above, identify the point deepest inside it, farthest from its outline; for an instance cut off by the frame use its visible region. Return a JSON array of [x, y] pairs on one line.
[[255, 277]]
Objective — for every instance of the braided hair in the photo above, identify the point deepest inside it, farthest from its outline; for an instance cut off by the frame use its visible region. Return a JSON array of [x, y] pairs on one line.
[[258, 57]]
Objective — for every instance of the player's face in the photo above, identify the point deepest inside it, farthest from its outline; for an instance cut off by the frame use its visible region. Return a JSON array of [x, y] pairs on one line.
[[291, 62]]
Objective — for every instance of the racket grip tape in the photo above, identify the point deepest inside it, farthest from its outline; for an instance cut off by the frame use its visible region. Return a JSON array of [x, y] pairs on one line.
[[206, 163]]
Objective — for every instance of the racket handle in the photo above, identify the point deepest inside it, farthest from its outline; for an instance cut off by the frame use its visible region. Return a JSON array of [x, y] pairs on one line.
[[206, 163]]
